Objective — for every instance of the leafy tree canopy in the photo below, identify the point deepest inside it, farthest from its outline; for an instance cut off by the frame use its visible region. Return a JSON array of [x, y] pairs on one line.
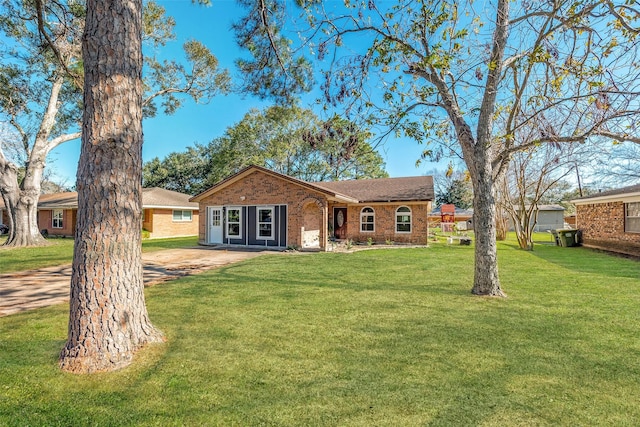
[[289, 140], [453, 187]]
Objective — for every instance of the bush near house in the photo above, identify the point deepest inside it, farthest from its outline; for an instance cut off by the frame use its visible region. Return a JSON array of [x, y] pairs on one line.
[[377, 337]]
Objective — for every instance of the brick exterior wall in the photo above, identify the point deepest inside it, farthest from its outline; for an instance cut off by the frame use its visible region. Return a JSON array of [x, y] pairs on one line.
[[259, 188], [602, 226], [385, 223], [45, 222], [160, 223], [310, 209]]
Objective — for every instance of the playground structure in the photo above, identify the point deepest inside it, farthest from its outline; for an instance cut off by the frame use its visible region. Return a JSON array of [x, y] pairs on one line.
[[450, 228], [447, 218]]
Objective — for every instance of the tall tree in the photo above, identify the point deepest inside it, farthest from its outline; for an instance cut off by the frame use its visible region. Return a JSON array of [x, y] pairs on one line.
[[186, 172], [38, 101], [40, 92], [344, 151], [108, 319], [445, 70], [529, 177], [453, 187]]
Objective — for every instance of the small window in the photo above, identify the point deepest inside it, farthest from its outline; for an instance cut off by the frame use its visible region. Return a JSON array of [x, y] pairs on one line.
[[182, 216], [367, 220], [234, 223], [265, 223], [216, 218], [403, 220], [58, 215], [632, 217]]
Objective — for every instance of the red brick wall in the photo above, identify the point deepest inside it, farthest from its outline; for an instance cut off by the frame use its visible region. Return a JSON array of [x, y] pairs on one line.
[[45, 221], [162, 224], [385, 223], [602, 226], [259, 188]]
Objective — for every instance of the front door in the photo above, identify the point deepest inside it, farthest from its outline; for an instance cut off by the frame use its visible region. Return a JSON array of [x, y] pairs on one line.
[[340, 223], [215, 226]]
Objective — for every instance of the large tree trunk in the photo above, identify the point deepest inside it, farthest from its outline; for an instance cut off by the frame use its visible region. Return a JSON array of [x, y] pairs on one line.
[[108, 319], [485, 281], [523, 227], [21, 204]]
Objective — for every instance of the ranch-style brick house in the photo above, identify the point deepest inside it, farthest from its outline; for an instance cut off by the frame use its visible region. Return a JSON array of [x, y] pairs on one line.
[[263, 208], [610, 220], [166, 213]]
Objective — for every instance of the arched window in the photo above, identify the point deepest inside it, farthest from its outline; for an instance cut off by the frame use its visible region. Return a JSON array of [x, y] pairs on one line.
[[367, 219], [403, 220]]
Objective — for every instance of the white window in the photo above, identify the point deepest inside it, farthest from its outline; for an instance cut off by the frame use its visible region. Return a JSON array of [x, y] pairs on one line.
[[403, 220], [632, 217], [58, 215], [265, 223], [367, 219], [216, 218], [182, 216], [234, 223]]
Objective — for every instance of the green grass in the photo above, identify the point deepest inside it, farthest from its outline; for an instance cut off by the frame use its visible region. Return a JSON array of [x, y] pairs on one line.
[[60, 251], [384, 337]]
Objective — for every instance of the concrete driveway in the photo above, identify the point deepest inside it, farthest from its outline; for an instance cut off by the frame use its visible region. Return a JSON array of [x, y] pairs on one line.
[[27, 290]]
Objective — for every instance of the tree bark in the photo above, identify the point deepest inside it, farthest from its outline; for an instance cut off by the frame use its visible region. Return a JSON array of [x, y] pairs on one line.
[[108, 319], [486, 280]]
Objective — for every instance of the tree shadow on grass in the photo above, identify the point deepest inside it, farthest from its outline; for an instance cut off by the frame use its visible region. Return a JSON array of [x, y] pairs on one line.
[[581, 260]]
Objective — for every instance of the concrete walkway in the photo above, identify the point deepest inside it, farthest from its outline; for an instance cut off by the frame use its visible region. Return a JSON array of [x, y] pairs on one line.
[[27, 290]]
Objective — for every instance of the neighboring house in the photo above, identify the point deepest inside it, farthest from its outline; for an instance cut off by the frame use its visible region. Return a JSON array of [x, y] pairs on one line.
[[166, 213], [610, 220], [259, 207], [462, 217]]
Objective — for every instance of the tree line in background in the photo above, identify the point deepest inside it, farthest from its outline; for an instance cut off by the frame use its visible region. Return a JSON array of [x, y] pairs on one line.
[[289, 140]]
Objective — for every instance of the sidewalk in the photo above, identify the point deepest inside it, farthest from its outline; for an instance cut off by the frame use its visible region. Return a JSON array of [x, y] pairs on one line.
[[27, 290]]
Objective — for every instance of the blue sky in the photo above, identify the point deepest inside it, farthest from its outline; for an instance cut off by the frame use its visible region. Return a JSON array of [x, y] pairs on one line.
[[198, 123]]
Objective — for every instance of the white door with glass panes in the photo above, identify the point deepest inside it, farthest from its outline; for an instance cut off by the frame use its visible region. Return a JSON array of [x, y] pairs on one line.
[[216, 226]]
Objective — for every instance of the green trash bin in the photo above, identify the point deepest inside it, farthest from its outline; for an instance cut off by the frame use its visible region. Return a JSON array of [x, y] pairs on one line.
[[568, 238]]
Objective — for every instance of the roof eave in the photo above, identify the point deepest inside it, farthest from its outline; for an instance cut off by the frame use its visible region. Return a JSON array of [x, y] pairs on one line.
[[628, 197], [250, 169], [195, 208], [413, 201]]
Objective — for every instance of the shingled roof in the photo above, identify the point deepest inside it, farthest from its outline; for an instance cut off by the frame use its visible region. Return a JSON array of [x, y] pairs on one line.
[[67, 200], [631, 190], [384, 189], [410, 189], [154, 197]]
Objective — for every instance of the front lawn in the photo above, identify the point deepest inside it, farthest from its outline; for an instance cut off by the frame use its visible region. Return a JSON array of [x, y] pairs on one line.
[[60, 251], [388, 337]]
